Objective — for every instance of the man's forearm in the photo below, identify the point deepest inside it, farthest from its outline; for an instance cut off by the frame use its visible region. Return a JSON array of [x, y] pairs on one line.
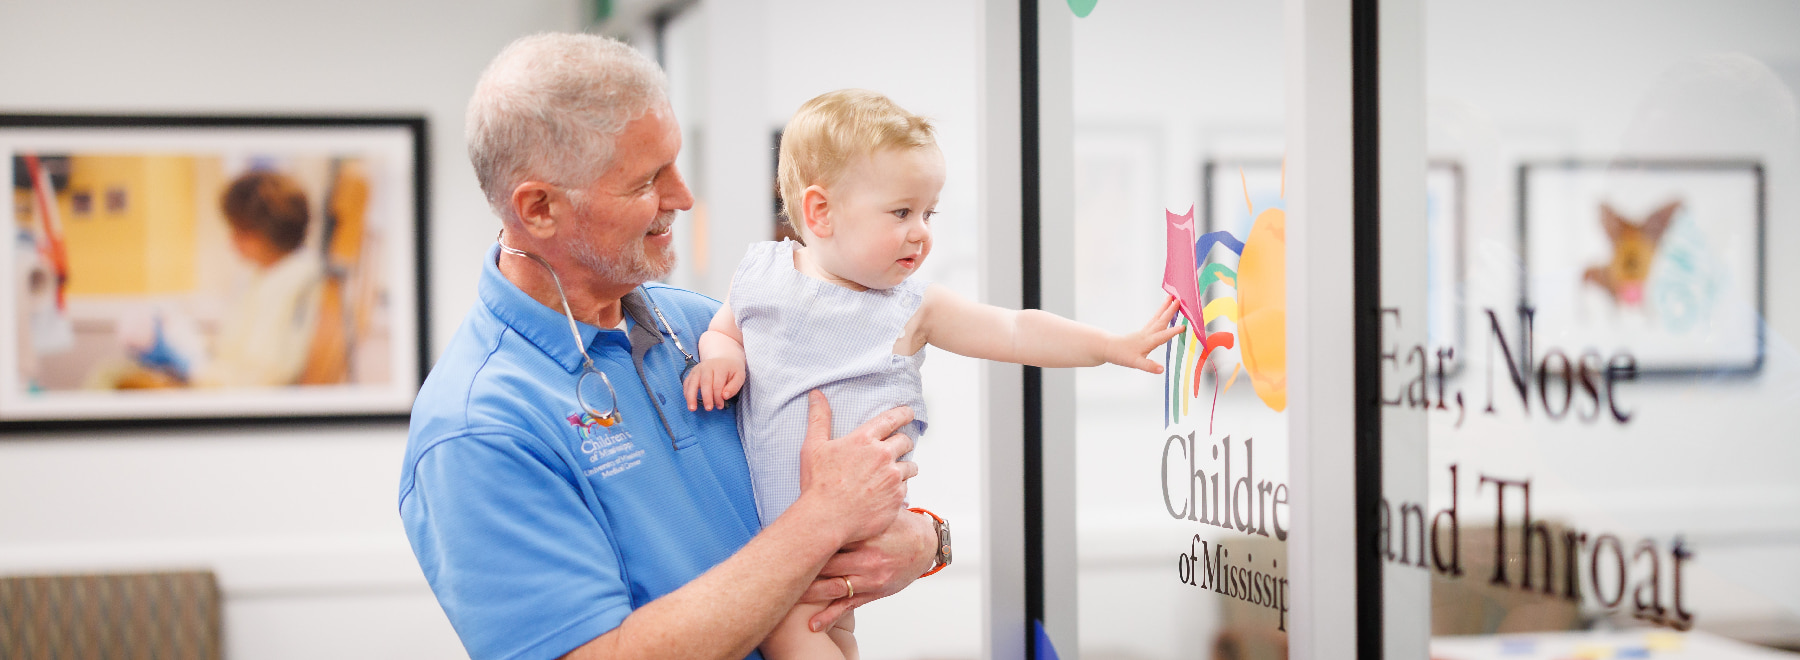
[[850, 490], [728, 610]]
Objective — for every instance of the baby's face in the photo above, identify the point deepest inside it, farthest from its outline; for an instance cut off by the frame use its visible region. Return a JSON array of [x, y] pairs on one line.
[[881, 216]]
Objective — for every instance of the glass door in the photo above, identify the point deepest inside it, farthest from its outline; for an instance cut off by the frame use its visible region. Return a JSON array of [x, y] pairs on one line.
[[1599, 349]]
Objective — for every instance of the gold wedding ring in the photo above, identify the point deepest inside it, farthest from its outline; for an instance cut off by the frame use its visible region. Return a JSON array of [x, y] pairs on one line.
[[847, 586]]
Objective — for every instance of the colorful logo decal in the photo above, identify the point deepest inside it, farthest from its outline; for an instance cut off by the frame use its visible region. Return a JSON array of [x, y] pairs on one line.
[[1250, 308], [585, 422]]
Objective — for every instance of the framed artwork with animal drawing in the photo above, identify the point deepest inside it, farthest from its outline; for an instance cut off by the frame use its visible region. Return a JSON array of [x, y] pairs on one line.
[[1663, 258]]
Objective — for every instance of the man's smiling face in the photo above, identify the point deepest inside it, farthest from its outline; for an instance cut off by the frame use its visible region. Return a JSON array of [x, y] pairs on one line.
[[623, 218]]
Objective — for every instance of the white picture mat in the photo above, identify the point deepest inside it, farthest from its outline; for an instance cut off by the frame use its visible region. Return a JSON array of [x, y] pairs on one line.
[[1444, 257], [389, 147], [1700, 310]]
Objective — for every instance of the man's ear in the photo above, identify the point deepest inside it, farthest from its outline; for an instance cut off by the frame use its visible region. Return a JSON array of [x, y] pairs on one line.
[[816, 210], [538, 206]]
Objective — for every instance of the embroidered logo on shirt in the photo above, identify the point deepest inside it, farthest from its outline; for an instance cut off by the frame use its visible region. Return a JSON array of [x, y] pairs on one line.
[[609, 450]]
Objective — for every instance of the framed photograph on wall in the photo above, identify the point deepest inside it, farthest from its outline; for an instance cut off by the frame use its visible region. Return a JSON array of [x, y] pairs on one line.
[[1233, 193], [1661, 259], [1445, 239], [1118, 226], [183, 269], [1224, 184]]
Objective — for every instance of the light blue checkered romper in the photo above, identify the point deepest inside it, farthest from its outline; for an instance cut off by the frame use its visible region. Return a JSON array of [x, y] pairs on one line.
[[802, 334]]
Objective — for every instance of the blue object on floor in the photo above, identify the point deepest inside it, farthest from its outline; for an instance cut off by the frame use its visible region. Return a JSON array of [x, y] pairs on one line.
[[1045, 650], [1518, 647]]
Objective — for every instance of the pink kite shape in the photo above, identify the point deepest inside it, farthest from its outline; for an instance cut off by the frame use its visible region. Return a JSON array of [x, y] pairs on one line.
[[1178, 270]]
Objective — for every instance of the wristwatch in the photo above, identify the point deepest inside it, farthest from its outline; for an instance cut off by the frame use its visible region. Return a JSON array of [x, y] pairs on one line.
[[943, 541]]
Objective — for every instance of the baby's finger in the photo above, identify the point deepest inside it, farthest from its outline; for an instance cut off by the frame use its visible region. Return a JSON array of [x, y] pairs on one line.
[[733, 382], [831, 613], [723, 384], [824, 590], [1165, 334], [1165, 313], [691, 388], [712, 390]]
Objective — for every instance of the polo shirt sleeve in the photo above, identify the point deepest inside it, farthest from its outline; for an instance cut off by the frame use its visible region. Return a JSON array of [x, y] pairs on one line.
[[518, 562]]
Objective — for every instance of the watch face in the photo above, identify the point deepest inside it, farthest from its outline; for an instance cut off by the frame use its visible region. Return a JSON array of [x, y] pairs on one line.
[[943, 530]]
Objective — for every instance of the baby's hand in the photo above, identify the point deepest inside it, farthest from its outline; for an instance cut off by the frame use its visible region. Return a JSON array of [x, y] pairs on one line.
[[1130, 350], [713, 381]]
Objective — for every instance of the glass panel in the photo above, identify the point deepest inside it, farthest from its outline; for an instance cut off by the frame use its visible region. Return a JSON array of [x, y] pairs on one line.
[[738, 71], [1181, 477], [1607, 370]]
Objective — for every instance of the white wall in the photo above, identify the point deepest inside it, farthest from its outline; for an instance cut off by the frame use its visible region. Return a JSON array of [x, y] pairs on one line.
[[300, 522]]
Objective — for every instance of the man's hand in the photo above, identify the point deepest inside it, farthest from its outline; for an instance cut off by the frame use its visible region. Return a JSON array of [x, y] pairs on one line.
[[713, 381], [1130, 350], [877, 567], [851, 489], [855, 484]]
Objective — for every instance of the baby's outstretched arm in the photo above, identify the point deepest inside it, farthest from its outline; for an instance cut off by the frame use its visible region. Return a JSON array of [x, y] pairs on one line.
[[720, 373], [1033, 337]]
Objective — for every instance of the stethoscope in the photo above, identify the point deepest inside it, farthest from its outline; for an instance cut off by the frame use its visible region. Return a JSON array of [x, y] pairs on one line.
[[593, 381]]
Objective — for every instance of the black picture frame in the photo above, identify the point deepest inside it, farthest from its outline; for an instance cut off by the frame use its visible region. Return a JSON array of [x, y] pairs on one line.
[[365, 182], [1683, 178]]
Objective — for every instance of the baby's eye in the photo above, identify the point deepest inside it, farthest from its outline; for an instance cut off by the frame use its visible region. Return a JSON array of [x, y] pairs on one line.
[[929, 215], [902, 213]]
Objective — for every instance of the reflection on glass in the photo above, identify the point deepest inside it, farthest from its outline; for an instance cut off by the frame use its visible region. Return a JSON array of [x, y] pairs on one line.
[[1609, 381], [1181, 479]]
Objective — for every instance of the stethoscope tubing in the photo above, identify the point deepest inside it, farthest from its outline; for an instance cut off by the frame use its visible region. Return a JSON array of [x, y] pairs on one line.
[[611, 415]]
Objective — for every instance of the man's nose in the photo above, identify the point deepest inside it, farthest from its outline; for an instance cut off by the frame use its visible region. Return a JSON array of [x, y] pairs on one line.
[[676, 195]]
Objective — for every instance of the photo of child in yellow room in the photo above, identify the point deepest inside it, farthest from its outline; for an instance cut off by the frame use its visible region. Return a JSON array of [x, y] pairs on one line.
[[859, 179], [152, 282]]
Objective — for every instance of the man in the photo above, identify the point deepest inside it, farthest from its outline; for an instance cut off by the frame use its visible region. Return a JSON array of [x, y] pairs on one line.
[[558, 512]]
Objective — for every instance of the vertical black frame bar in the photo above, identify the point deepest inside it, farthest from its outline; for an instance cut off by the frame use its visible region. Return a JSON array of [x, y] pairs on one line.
[[1365, 127], [1031, 297]]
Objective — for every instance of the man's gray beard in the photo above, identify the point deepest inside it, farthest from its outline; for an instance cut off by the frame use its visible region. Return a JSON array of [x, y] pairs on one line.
[[629, 263]]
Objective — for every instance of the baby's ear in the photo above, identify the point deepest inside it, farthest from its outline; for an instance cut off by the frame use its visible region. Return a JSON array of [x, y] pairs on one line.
[[815, 211]]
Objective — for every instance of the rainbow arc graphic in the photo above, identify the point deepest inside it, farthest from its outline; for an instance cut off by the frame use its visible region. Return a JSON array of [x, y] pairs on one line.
[[1251, 301]]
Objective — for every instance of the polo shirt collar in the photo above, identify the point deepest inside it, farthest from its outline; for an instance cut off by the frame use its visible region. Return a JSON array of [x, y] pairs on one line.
[[545, 328]]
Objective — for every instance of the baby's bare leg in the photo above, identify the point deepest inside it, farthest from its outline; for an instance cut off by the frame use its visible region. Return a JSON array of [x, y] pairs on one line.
[[843, 632], [793, 639]]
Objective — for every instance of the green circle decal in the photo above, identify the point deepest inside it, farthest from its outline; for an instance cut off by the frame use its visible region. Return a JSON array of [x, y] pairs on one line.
[[1082, 7]]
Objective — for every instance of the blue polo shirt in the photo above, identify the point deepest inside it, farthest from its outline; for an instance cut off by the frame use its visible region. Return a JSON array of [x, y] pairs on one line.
[[539, 529]]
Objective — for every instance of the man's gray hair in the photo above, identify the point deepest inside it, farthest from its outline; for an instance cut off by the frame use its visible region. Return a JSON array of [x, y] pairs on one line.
[[549, 108]]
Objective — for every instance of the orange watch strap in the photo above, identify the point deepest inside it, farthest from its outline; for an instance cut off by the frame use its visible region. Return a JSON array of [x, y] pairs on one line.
[[939, 543]]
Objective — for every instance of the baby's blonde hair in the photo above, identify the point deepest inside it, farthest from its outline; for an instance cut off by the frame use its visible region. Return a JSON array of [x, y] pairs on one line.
[[833, 129]]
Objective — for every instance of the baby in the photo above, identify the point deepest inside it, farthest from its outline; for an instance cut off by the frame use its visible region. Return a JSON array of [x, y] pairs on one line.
[[859, 181]]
